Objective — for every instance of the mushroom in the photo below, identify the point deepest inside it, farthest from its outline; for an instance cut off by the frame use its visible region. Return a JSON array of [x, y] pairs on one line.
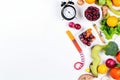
[[104, 10], [80, 2], [86, 77]]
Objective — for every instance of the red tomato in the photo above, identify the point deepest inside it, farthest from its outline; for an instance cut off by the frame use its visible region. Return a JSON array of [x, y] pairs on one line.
[[118, 56]]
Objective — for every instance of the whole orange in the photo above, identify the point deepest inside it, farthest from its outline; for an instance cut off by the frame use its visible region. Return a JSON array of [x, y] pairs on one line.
[[112, 21], [118, 78], [90, 1], [115, 73], [116, 3]]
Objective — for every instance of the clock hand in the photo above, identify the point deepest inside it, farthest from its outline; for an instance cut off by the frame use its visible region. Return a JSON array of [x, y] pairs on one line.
[[69, 12]]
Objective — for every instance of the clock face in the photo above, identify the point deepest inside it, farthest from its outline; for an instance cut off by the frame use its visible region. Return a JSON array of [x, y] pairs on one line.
[[68, 12]]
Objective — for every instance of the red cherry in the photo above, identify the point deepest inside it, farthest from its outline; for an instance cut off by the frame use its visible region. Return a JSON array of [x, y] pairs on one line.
[[77, 26], [71, 24]]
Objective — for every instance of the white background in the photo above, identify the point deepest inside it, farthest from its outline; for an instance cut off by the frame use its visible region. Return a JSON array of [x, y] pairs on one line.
[[34, 44]]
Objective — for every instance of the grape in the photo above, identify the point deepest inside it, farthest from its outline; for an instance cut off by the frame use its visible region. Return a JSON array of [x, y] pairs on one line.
[[85, 41], [84, 34], [71, 24], [77, 26], [88, 39], [88, 43], [81, 36], [91, 36]]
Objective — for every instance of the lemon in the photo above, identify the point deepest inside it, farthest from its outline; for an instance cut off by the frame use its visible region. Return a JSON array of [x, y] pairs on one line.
[[102, 69], [112, 21]]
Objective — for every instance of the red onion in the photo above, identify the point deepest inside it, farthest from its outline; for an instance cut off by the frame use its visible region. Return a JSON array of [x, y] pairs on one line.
[[110, 63]]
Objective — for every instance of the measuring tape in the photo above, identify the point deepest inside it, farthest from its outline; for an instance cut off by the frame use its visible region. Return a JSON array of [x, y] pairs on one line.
[[77, 65]]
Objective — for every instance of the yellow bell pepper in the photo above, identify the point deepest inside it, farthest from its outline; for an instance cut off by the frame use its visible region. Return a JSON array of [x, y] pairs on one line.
[[102, 69]]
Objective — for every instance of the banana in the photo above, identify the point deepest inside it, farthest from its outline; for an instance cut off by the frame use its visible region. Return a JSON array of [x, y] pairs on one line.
[[109, 4]]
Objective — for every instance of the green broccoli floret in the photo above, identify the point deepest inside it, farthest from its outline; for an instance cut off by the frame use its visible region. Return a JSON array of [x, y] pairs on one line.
[[111, 48]]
